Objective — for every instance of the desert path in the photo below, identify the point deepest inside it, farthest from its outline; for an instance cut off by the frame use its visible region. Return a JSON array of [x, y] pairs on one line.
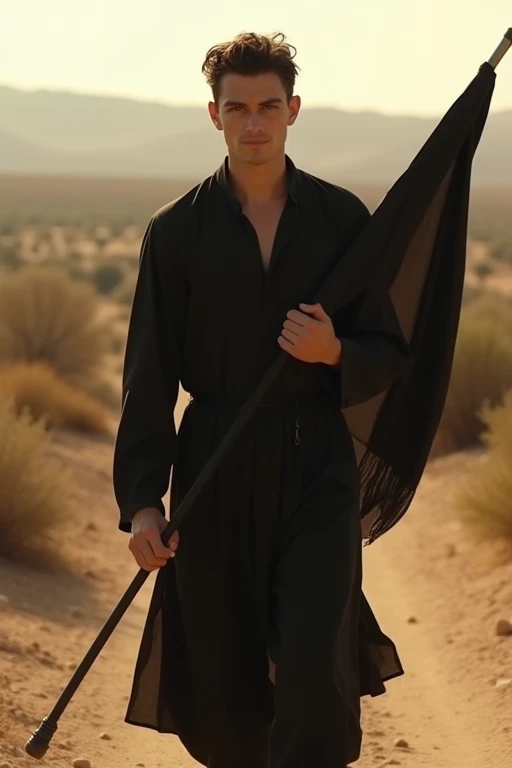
[[447, 706]]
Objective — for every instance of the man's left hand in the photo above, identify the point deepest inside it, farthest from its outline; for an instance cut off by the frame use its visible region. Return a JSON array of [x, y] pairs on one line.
[[308, 335]]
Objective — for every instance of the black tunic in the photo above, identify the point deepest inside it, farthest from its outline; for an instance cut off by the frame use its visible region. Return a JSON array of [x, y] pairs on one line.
[[207, 315]]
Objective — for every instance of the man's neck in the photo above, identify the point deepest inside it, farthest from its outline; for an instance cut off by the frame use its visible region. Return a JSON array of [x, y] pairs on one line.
[[258, 184]]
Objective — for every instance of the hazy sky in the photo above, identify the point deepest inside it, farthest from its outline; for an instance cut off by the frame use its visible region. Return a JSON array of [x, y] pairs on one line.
[[396, 56]]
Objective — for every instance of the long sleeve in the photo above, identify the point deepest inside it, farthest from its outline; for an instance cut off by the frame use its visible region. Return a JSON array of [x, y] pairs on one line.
[[146, 437], [374, 350]]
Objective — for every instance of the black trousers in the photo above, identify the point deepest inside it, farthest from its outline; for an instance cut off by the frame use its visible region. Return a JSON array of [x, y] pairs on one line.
[[269, 564]]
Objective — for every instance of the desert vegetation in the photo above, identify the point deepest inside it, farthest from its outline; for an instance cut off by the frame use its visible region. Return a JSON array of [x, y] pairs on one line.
[[34, 487], [484, 502]]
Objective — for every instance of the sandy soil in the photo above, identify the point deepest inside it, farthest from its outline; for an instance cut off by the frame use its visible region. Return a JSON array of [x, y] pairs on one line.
[[436, 592]]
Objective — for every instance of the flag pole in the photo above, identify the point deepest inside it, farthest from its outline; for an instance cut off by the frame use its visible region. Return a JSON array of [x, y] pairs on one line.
[[38, 743], [501, 49]]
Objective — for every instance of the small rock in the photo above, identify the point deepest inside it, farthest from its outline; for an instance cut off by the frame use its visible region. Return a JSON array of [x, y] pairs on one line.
[[4, 600], [63, 745], [75, 613], [391, 761], [140, 765], [90, 574], [503, 627], [503, 682], [451, 550], [81, 762], [105, 737], [72, 666], [91, 527], [5, 765], [401, 744], [412, 620]]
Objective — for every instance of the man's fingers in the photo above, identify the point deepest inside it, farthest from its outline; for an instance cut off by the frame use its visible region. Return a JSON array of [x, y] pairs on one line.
[[293, 327], [159, 549], [316, 311], [287, 346], [174, 541], [290, 336], [141, 562], [146, 551], [298, 317]]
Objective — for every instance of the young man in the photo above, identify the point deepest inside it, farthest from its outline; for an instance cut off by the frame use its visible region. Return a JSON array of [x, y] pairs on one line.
[[256, 650]]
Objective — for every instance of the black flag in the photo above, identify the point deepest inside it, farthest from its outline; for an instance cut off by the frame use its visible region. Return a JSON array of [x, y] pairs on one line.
[[415, 247]]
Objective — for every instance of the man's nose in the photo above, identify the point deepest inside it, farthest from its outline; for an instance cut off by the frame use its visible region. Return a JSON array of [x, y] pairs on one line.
[[253, 123]]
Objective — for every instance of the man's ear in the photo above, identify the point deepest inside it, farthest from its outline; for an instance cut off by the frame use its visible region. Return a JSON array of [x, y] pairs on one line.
[[293, 109], [214, 115]]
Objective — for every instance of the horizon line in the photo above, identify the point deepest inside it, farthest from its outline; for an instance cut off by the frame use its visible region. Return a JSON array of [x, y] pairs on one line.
[[66, 91]]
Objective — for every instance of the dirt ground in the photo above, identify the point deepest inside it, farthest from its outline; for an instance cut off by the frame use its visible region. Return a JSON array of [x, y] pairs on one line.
[[436, 592]]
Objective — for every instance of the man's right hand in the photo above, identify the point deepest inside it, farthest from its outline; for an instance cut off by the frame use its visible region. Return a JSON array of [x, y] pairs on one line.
[[145, 542]]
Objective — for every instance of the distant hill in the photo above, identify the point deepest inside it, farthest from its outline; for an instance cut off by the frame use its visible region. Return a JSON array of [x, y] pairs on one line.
[[60, 133]]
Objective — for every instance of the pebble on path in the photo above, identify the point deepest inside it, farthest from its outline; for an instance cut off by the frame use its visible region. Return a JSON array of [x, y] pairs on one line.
[[503, 628], [401, 743]]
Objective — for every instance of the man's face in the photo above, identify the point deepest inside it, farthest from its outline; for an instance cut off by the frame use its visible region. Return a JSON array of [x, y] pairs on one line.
[[254, 114]]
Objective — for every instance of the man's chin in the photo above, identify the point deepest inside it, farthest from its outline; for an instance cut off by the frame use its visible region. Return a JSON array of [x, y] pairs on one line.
[[258, 157]]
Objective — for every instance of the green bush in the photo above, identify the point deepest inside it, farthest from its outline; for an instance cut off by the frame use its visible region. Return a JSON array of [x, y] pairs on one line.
[[107, 277]]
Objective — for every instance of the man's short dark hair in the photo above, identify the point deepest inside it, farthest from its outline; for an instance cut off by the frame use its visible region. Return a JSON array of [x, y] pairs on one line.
[[251, 54]]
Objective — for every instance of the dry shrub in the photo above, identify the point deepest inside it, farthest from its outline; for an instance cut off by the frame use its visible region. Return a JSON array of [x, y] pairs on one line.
[[485, 501], [482, 371], [47, 316], [104, 391], [34, 488], [37, 387]]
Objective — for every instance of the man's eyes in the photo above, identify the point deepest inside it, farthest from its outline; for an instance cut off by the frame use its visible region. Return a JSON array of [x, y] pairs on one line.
[[265, 106]]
